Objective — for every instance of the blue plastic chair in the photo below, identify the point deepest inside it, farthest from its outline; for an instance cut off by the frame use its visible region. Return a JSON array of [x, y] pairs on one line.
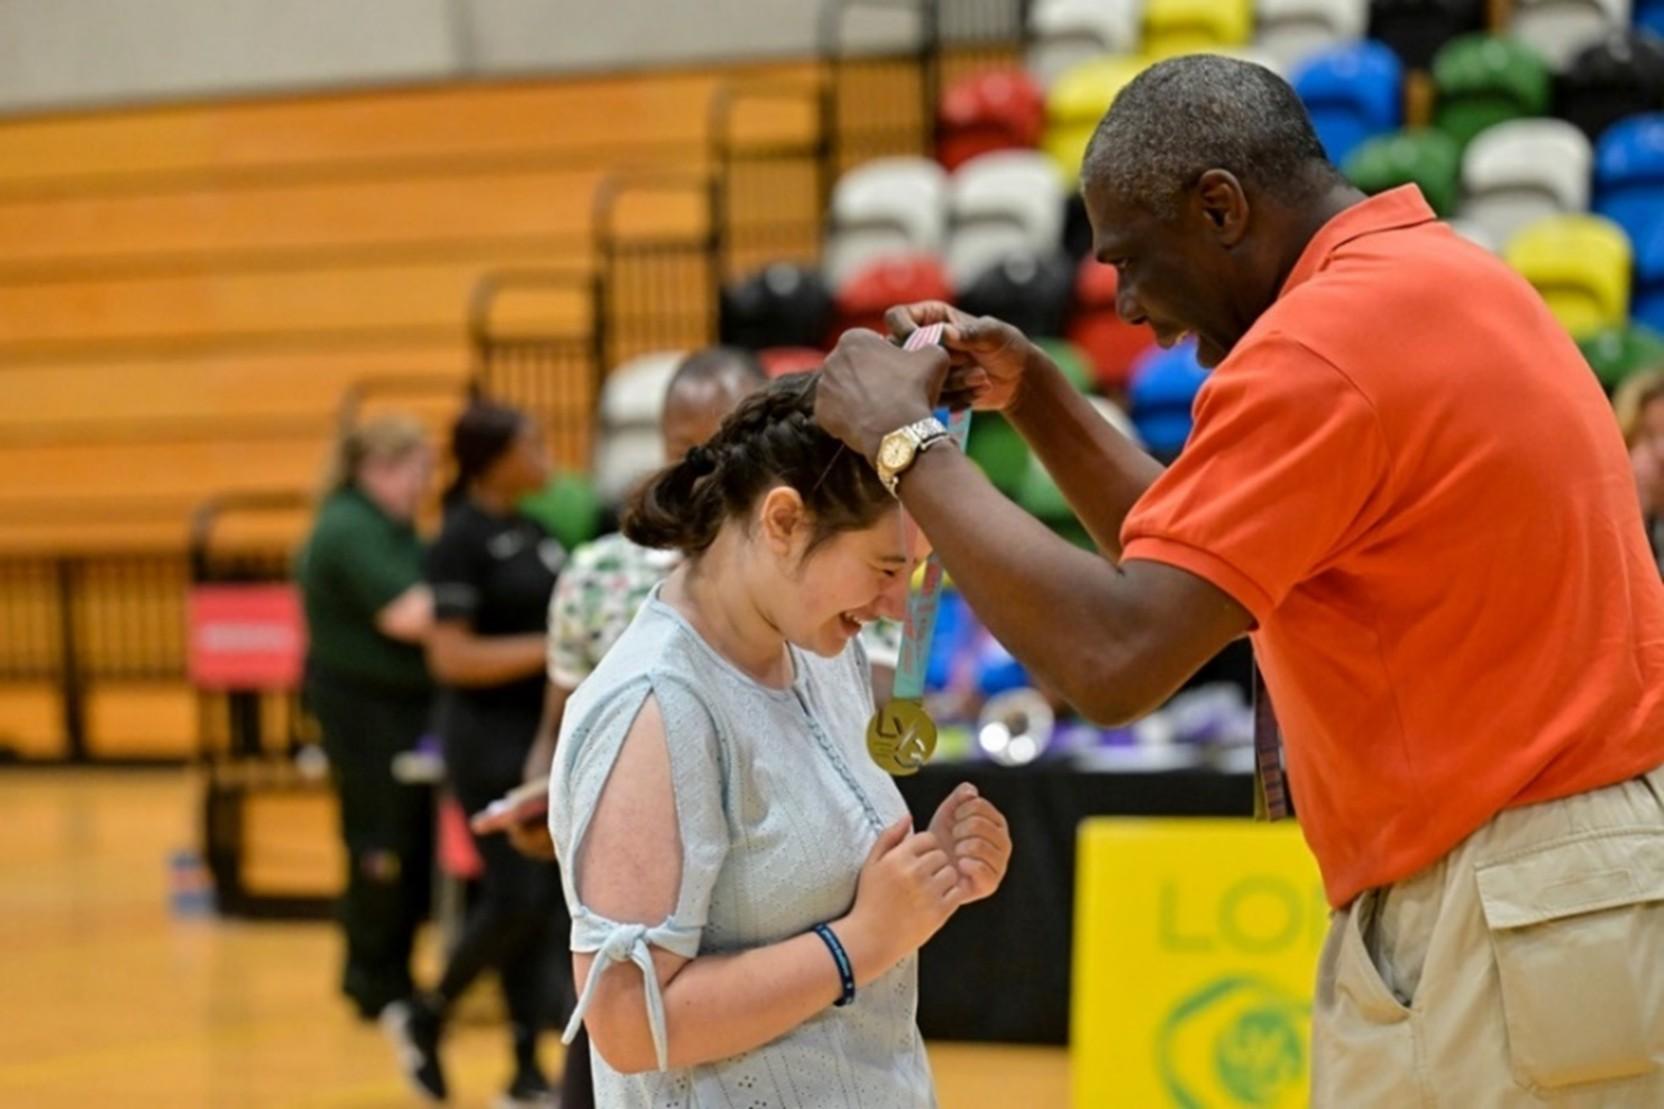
[[1650, 17], [1164, 385], [1629, 175], [1353, 92], [1647, 303]]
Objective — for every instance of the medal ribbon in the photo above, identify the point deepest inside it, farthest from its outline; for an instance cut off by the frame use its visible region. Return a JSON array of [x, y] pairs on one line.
[[924, 599]]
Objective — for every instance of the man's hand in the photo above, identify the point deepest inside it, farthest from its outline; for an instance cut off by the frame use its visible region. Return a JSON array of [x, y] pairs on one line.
[[870, 387], [988, 356], [975, 836]]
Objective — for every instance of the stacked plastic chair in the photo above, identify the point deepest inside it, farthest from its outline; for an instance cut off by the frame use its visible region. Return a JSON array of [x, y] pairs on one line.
[[1421, 156], [1648, 306], [780, 361], [1629, 175], [1065, 33], [1164, 387], [1614, 353], [568, 508], [998, 110], [1195, 26], [1484, 80], [1559, 29], [1292, 31], [1629, 189], [781, 305], [1039, 494], [1520, 171], [1076, 102], [1622, 75], [1581, 266], [1416, 29], [884, 282], [889, 206], [1112, 345], [1028, 289], [1009, 202], [631, 446], [1353, 92]]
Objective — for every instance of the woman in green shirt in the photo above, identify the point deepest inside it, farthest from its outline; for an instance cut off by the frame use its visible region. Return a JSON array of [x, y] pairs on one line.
[[367, 613]]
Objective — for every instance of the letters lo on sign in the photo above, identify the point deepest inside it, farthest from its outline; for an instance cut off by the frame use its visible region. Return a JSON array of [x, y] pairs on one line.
[[1196, 945]]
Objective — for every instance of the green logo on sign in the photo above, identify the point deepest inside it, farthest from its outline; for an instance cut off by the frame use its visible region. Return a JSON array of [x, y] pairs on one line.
[[1238, 1041]]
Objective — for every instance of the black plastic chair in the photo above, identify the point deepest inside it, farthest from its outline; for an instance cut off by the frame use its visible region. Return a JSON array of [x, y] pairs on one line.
[[1622, 75]]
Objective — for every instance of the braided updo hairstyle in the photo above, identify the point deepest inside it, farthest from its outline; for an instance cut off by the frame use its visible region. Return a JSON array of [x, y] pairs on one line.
[[770, 439]]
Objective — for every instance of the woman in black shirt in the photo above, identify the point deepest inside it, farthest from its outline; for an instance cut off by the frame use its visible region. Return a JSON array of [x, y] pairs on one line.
[[492, 571]]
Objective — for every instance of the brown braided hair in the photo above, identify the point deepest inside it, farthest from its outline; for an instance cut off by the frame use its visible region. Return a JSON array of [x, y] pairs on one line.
[[770, 439]]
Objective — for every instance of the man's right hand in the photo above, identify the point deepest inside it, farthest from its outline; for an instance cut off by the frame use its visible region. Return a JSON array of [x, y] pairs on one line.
[[989, 357]]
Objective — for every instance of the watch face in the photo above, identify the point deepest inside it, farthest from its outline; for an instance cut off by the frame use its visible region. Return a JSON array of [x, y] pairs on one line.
[[895, 452]]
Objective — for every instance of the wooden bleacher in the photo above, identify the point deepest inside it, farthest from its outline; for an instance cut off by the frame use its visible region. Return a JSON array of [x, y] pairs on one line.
[[187, 291]]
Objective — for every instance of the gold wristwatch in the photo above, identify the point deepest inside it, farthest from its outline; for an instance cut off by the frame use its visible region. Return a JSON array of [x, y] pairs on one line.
[[899, 449]]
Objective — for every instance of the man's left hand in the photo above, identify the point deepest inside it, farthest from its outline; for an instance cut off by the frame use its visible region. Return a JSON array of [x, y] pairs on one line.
[[870, 387]]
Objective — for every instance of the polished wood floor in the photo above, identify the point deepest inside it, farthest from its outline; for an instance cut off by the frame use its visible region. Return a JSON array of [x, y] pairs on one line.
[[110, 1000]]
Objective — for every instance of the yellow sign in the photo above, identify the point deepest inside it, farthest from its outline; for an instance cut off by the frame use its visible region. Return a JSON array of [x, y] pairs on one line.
[[1196, 945]]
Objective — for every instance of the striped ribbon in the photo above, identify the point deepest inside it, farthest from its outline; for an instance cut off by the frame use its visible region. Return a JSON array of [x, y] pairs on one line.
[[925, 598]]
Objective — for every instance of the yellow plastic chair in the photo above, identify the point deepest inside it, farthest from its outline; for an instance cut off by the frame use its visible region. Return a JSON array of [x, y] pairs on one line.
[[1075, 104], [1581, 266], [1195, 26]]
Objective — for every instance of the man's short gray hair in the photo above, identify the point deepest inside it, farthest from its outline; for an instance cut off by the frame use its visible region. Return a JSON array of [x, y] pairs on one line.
[[1187, 115]]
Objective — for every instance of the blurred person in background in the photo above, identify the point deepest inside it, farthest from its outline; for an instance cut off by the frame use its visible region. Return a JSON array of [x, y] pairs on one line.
[[1640, 408], [367, 612], [492, 570]]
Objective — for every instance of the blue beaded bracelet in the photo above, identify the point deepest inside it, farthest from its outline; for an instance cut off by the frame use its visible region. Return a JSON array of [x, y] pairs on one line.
[[846, 971]]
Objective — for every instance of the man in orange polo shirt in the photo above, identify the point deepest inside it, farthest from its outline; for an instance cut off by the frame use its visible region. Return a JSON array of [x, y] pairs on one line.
[[1405, 485]]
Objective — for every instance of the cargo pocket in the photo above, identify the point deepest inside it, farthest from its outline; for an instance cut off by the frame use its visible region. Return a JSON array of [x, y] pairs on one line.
[[1575, 927]]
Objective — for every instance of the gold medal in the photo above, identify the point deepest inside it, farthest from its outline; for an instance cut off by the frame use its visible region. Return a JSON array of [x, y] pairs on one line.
[[901, 737]]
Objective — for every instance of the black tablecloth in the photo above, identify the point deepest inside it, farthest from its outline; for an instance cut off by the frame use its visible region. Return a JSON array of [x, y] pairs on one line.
[[999, 970]]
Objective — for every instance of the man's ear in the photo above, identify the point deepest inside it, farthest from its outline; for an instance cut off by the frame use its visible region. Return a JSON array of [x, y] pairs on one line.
[[783, 520], [1223, 204]]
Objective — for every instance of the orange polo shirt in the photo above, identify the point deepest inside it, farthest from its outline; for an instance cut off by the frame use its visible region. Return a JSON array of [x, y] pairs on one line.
[[1406, 472]]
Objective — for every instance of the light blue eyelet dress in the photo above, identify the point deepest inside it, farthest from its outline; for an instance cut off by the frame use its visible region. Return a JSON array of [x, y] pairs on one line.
[[778, 806]]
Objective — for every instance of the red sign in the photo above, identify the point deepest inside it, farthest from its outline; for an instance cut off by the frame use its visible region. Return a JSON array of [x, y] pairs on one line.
[[246, 637]]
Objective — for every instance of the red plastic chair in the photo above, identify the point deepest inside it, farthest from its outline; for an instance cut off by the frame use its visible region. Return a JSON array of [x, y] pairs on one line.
[[780, 361], [1112, 344], [880, 285], [999, 110]]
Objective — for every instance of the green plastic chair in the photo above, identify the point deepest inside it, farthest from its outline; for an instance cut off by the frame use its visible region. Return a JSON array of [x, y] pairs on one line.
[[1482, 80], [568, 508], [1071, 360], [1419, 156], [1614, 353], [995, 446]]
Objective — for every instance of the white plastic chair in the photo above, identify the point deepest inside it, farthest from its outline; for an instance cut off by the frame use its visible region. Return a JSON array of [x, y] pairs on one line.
[[1559, 29], [1293, 30], [630, 445], [888, 206], [999, 204], [1517, 172], [1064, 33]]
